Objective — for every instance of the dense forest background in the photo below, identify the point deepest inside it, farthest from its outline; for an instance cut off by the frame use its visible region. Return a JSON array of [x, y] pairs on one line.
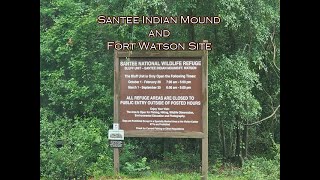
[[76, 81]]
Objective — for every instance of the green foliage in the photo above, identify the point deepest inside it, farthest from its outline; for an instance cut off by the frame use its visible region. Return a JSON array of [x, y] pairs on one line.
[[222, 169], [257, 168], [133, 165], [74, 73], [102, 167], [81, 152], [181, 160], [264, 146], [230, 84], [231, 99], [76, 84], [137, 169], [262, 169], [128, 152]]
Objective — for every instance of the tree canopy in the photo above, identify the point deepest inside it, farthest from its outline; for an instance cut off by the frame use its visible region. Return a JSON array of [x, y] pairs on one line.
[[76, 81]]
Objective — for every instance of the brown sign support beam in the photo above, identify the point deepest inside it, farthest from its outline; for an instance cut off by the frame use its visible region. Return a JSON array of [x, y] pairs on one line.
[[205, 115], [116, 161]]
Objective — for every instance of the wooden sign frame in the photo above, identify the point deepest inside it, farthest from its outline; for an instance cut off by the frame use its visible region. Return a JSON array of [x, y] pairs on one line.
[[203, 55]]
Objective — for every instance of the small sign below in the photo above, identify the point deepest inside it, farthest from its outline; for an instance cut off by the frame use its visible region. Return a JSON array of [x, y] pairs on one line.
[[115, 143], [116, 134], [115, 126]]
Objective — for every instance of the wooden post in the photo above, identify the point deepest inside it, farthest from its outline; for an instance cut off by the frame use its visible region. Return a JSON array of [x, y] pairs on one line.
[[205, 115], [116, 163]]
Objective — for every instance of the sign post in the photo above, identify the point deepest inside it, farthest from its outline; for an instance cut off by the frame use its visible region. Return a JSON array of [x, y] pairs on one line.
[[116, 160], [162, 94], [205, 156]]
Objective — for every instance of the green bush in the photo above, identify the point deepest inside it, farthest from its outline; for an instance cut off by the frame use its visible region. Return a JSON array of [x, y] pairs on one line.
[[102, 167], [128, 152], [73, 148], [181, 160], [136, 169], [261, 168]]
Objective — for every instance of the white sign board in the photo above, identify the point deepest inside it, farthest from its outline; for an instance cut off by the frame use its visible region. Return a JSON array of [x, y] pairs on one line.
[[116, 134], [116, 144], [115, 126]]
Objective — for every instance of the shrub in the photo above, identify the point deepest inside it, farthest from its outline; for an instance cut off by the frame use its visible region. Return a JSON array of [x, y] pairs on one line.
[[73, 148], [136, 169], [261, 168], [181, 160]]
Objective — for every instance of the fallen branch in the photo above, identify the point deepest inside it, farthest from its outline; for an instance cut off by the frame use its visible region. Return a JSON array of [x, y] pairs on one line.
[[274, 112]]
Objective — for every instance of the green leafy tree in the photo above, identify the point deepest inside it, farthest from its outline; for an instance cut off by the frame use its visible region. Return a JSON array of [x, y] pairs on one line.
[[76, 80]]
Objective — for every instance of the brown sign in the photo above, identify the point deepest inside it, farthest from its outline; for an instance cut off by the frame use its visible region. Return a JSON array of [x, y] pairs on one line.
[[160, 94]]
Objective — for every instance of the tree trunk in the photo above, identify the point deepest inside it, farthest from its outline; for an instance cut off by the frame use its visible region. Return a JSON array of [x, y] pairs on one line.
[[238, 140], [245, 142], [223, 139], [231, 144], [238, 157]]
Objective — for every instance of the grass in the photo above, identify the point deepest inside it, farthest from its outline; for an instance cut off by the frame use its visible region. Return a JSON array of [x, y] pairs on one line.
[[254, 169], [178, 176]]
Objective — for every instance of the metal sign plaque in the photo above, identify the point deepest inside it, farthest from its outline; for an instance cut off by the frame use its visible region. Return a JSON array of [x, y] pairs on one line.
[[116, 134], [116, 126], [116, 143]]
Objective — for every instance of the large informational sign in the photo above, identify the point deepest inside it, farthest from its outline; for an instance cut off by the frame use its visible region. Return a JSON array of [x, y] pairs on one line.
[[161, 94]]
